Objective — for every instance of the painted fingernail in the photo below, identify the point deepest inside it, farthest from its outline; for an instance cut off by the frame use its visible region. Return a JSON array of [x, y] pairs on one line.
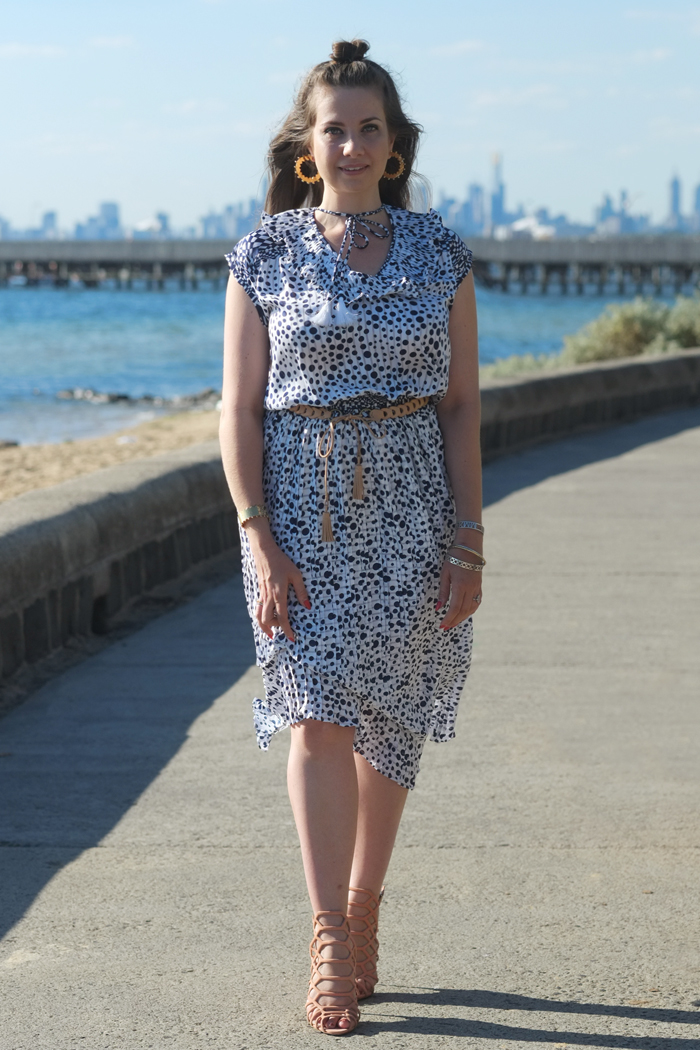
[[307, 604], [438, 605]]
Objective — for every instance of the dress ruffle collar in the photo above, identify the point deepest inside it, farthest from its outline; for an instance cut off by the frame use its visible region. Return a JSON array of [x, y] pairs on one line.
[[418, 256]]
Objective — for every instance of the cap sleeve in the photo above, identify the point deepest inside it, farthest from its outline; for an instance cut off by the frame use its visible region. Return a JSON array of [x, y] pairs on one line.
[[244, 264], [461, 257]]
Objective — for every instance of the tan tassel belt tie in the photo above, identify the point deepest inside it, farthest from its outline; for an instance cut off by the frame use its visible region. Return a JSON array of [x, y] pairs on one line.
[[326, 441]]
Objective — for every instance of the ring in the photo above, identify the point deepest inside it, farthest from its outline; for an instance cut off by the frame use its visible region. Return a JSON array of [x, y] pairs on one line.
[[477, 598], [259, 601]]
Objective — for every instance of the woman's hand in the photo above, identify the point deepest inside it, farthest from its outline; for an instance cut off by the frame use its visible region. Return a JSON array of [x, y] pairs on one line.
[[460, 589], [276, 574]]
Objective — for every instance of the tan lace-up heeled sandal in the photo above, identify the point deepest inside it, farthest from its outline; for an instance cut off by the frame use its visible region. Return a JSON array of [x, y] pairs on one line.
[[332, 993], [363, 915]]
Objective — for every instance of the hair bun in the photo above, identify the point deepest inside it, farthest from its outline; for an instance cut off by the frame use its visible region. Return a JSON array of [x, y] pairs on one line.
[[349, 51]]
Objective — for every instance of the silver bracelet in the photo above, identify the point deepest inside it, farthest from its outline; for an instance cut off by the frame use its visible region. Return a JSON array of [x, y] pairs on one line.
[[462, 547], [471, 525], [465, 564]]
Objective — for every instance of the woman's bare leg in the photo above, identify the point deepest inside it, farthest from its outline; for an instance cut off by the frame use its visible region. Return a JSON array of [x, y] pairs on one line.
[[322, 785], [381, 803]]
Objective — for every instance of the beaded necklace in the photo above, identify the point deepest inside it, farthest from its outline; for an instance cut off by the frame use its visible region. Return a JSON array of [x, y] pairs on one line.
[[335, 312]]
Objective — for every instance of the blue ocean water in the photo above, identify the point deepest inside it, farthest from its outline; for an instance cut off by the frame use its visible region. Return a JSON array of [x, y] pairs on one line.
[[168, 343]]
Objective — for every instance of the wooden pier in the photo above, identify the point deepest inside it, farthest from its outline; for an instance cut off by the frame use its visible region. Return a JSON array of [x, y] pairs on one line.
[[622, 265], [642, 265]]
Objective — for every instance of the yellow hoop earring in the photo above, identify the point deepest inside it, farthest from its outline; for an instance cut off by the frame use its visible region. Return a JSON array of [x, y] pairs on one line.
[[300, 174], [401, 168]]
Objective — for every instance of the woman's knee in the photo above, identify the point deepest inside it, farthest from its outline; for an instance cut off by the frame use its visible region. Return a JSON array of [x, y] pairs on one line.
[[316, 737]]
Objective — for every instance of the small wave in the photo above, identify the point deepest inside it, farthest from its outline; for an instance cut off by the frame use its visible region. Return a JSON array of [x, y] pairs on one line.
[[207, 398]]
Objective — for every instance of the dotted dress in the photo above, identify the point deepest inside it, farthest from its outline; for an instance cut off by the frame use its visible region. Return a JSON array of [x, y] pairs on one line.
[[369, 653]]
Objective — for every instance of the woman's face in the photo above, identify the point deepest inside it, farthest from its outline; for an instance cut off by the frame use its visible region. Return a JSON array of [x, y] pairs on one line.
[[351, 141]]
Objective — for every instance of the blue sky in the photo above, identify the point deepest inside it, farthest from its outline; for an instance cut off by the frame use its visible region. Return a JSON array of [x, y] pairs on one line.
[[169, 105]]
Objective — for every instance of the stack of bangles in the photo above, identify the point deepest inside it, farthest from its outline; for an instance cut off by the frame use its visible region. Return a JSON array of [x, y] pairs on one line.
[[462, 547]]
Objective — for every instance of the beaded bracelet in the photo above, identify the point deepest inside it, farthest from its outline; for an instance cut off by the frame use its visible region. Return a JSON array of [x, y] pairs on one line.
[[465, 564], [258, 511], [471, 525], [471, 550]]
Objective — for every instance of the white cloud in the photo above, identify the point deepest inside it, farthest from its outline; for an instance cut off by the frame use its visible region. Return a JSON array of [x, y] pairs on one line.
[[16, 50], [657, 15], [671, 129], [542, 95], [182, 108], [459, 47], [111, 41], [656, 54], [689, 18], [107, 104], [193, 105], [285, 79], [624, 150]]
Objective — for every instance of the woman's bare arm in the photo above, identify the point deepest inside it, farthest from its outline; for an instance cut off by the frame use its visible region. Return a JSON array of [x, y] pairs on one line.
[[246, 366], [459, 414]]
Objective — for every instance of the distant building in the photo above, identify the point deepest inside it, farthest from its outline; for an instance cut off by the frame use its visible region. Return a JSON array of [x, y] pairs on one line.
[[477, 207], [675, 217], [482, 213], [233, 222], [612, 222], [527, 228], [563, 226], [498, 193], [157, 228], [46, 231], [105, 226]]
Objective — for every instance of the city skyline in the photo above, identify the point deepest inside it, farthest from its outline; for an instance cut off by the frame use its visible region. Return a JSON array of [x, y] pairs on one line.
[[481, 212], [170, 107]]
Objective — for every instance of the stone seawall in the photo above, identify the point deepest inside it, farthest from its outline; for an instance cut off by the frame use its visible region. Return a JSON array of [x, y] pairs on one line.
[[73, 556], [518, 413]]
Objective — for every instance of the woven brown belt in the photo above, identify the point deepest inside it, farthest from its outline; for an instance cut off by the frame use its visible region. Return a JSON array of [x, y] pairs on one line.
[[326, 441]]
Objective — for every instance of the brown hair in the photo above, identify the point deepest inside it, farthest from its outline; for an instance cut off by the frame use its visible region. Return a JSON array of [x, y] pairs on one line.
[[347, 67]]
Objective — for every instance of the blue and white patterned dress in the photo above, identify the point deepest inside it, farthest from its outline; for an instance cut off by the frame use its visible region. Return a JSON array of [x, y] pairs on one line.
[[369, 653]]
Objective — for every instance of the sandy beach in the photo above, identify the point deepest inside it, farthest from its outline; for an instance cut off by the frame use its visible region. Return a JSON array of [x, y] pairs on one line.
[[28, 467]]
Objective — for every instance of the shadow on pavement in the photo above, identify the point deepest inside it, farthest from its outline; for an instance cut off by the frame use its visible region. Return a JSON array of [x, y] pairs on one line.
[[521, 470], [79, 753], [486, 1000]]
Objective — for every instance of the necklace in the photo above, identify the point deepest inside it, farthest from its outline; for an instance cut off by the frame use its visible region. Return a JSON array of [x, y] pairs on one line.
[[333, 312]]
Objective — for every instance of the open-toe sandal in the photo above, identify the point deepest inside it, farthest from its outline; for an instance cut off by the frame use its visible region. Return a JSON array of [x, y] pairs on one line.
[[363, 916], [332, 994]]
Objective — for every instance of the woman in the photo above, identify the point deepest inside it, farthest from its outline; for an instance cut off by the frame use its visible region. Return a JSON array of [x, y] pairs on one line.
[[350, 439]]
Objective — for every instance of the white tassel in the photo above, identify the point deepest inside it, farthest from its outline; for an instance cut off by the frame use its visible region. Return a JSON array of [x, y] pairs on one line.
[[343, 316], [324, 317]]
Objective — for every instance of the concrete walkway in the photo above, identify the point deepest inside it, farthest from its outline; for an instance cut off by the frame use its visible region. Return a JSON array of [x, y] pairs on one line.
[[544, 890]]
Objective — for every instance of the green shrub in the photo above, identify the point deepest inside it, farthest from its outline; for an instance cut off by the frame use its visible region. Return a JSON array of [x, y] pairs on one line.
[[683, 322], [519, 364], [624, 330]]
